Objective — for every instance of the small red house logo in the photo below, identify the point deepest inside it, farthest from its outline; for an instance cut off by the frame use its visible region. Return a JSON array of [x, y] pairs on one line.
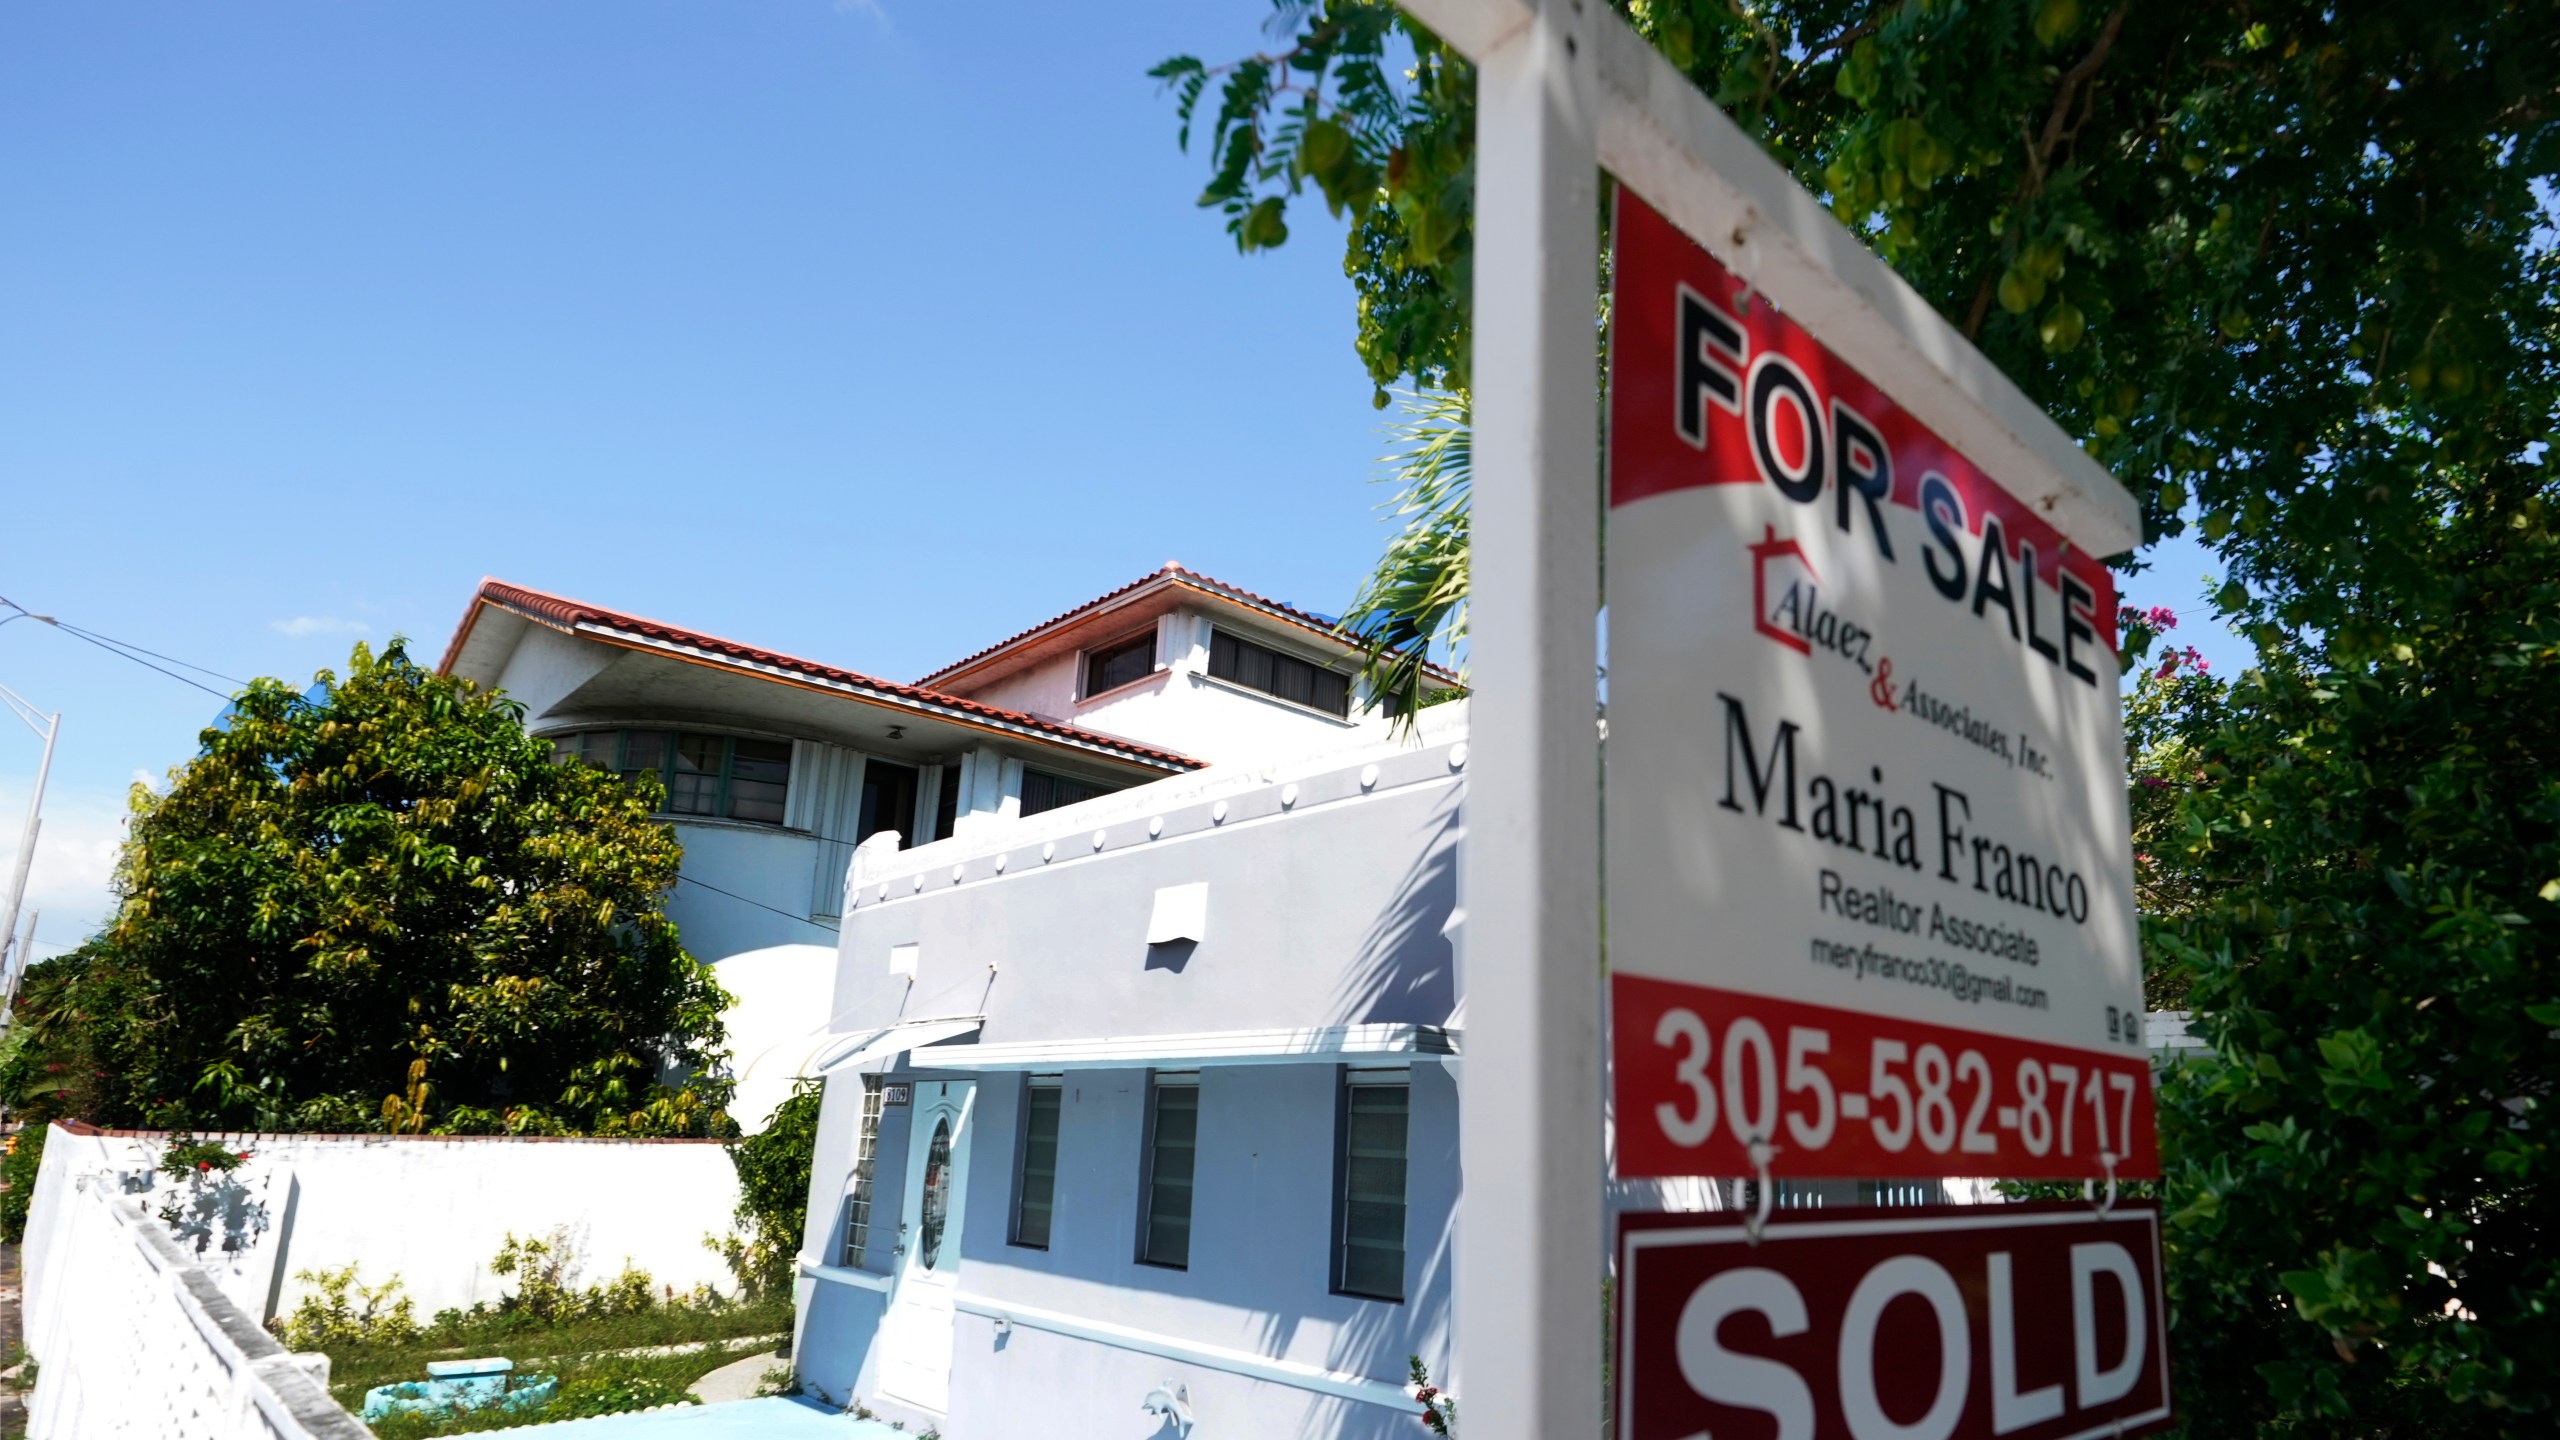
[[1772, 551]]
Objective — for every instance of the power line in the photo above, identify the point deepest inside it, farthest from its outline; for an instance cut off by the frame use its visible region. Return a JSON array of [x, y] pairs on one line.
[[743, 900], [125, 650], [154, 654]]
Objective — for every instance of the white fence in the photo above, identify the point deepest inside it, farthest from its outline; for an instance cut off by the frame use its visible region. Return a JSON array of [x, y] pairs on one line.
[[431, 1210], [133, 1340]]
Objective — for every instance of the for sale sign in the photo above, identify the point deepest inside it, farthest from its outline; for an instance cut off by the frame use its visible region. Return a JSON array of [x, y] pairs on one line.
[[2025, 1322], [1870, 883]]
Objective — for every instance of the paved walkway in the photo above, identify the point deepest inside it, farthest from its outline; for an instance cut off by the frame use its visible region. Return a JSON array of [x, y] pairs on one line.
[[738, 1379], [766, 1419]]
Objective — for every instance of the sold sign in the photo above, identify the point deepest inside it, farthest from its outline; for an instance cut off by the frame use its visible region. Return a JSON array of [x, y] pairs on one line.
[[2022, 1322]]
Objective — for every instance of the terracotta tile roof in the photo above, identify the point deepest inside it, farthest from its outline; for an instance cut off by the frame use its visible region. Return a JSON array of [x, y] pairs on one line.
[[568, 615], [1173, 574]]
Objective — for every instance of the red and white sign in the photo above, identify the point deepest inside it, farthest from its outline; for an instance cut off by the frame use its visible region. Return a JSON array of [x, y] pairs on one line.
[[2022, 1322], [1870, 882], [1855, 1097]]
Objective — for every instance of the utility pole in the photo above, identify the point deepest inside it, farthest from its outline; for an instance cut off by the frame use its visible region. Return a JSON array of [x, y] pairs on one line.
[[27, 947], [10, 957]]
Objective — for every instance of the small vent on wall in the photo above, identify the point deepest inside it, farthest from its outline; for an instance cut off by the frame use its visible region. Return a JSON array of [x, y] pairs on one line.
[[1181, 913]]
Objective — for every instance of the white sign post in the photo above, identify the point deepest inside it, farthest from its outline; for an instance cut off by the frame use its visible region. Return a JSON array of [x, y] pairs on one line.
[[1567, 89]]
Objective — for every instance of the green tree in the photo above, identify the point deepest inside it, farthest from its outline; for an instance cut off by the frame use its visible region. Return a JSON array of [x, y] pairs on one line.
[[773, 1168], [2287, 269], [383, 908]]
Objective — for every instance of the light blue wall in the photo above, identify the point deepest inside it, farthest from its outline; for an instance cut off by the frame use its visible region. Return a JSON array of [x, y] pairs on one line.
[[1329, 902], [1259, 1278], [768, 866]]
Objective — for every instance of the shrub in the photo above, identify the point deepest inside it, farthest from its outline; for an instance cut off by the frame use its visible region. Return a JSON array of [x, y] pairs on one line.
[[545, 1267], [328, 1316], [614, 1387], [18, 1171], [773, 1193], [546, 1271], [188, 1157]]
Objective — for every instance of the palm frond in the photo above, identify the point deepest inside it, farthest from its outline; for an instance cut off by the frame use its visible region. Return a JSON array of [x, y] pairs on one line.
[[1415, 598]]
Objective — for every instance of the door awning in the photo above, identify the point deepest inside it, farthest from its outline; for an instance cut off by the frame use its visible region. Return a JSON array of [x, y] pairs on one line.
[[1314, 1045], [870, 1049]]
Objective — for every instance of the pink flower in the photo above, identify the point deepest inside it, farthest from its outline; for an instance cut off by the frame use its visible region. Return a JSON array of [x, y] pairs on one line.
[[2160, 617]]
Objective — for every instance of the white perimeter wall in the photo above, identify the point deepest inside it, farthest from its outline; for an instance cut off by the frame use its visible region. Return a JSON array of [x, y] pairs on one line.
[[431, 1210]]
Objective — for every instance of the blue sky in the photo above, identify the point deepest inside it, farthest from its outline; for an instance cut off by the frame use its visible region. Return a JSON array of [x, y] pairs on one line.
[[865, 331]]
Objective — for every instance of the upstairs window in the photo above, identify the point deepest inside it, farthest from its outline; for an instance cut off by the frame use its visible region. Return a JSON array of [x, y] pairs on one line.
[[1119, 663], [759, 775], [1043, 791], [888, 802], [1259, 667], [725, 777]]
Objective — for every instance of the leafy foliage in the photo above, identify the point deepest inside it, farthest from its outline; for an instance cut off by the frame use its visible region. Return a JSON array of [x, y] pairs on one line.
[[1379, 117], [2286, 269], [773, 1192], [339, 1311], [18, 1180], [593, 1362], [611, 1388], [184, 1157], [386, 908], [1415, 600], [2358, 863], [1439, 1412]]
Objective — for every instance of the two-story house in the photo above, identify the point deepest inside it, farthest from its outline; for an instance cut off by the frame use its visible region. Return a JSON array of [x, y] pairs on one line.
[[775, 767]]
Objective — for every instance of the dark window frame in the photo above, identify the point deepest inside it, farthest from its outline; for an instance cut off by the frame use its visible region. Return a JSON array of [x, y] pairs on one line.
[[1098, 660], [1051, 783], [1270, 671], [1158, 1084], [946, 802], [1034, 1086], [1348, 1083], [578, 745]]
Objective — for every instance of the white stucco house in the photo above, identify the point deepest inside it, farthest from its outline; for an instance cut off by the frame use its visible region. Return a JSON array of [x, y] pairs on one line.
[[1151, 1101], [777, 767]]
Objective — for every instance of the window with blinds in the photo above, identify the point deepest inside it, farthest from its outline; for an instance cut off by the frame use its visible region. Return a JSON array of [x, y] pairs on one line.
[[1369, 1223], [726, 777], [1119, 663], [1285, 677], [1173, 1142], [857, 1200], [1042, 791], [1035, 1165]]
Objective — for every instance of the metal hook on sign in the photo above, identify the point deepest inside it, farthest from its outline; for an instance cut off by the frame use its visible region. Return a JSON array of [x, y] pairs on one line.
[[2106, 1158], [1746, 255], [1762, 1152]]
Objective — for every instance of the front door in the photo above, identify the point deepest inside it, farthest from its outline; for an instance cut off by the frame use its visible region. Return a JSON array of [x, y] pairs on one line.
[[915, 1335]]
